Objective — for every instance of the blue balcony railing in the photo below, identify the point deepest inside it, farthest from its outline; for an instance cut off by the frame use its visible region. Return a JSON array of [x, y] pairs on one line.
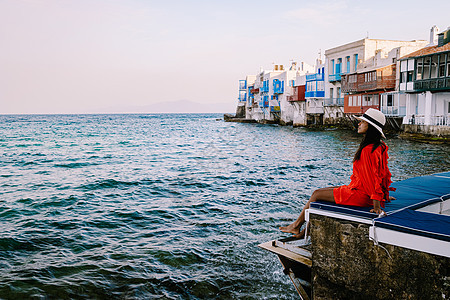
[[265, 87], [314, 77], [333, 102], [315, 94], [278, 86], [334, 77]]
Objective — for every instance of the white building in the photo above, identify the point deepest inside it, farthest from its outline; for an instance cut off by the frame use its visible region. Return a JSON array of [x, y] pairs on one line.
[[425, 78], [298, 101], [357, 57], [288, 81], [315, 94], [270, 92]]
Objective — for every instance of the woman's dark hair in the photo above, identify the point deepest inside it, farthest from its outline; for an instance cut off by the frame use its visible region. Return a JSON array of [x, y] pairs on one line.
[[372, 136]]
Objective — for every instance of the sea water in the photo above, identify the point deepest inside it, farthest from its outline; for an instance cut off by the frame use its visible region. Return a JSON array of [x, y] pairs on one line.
[[168, 206]]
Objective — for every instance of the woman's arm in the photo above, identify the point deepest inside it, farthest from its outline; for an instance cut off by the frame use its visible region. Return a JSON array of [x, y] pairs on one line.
[[376, 207]]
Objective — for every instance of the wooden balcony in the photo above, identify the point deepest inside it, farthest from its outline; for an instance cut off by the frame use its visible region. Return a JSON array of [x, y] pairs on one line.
[[434, 84], [379, 79], [298, 95]]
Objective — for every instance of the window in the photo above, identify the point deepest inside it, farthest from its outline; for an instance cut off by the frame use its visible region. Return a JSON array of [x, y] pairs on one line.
[[376, 100], [410, 76], [426, 67], [372, 76], [320, 86], [331, 92], [332, 67], [347, 62], [338, 92], [338, 66], [434, 66], [442, 58], [448, 65], [355, 61], [403, 77], [359, 100], [419, 69], [350, 101], [389, 100]]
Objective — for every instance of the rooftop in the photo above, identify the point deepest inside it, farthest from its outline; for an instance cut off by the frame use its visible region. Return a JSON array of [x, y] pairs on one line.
[[428, 51]]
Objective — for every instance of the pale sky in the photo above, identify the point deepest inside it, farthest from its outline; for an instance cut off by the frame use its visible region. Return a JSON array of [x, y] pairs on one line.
[[90, 56]]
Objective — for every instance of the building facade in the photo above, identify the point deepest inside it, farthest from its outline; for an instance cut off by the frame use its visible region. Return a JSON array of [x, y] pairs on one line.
[[359, 73], [315, 94], [425, 78]]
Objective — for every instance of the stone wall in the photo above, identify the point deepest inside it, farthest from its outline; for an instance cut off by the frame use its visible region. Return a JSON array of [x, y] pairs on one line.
[[240, 112], [431, 130], [347, 265]]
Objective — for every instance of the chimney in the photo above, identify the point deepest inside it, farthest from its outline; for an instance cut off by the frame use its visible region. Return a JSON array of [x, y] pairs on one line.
[[434, 35], [444, 37]]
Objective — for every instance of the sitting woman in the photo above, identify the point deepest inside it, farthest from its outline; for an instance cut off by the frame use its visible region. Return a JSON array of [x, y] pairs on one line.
[[370, 180]]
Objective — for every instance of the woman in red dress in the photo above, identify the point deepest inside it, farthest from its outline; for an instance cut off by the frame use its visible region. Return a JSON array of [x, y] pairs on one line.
[[370, 180]]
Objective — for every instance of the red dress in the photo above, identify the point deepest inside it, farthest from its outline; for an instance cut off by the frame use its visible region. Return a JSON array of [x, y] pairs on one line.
[[370, 180]]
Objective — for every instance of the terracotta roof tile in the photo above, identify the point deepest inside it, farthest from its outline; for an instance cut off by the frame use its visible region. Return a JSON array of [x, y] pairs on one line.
[[428, 50]]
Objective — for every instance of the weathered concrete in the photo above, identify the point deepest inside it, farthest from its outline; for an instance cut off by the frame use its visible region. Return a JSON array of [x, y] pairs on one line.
[[240, 112], [231, 118], [347, 265], [442, 131]]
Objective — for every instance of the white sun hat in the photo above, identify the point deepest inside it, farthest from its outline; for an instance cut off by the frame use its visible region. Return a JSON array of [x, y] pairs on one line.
[[375, 118]]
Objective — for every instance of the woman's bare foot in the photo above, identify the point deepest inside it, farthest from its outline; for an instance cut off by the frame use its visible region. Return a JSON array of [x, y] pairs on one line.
[[291, 228], [301, 234]]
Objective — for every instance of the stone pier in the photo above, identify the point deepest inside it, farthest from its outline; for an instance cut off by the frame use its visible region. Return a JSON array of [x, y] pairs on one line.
[[347, 265]]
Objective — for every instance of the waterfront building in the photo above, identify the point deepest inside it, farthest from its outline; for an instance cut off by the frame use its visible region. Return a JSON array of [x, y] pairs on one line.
[[254, 111], [314, 94], [262, 92], [245, 98], [288, 83], [269, 93], [365, 60], [374, 84], [425, 78], [298, 101], [362, 90]]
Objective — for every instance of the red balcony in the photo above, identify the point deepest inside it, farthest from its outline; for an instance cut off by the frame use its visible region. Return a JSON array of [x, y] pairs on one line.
[[359, 103], [254, 91], [374, 80], [298, 95]]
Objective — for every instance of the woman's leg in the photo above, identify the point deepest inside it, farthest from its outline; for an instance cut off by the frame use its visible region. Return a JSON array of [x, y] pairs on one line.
[[324, 194]]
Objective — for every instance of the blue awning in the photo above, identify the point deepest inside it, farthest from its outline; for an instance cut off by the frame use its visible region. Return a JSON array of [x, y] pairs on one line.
[[418, 223]]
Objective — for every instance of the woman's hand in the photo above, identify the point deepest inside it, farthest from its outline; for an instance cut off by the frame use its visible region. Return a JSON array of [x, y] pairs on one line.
[[377, 208], [392, 198]]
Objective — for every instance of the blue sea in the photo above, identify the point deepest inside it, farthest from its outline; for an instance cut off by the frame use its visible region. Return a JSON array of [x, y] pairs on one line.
[[163, 206]]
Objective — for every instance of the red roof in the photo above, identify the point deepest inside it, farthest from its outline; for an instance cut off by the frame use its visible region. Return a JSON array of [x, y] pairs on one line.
[[428, 50]]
